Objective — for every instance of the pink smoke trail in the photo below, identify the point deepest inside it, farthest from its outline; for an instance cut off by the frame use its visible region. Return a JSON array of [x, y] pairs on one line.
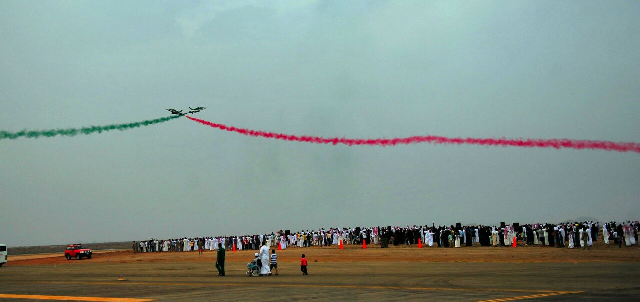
[[432, 139]]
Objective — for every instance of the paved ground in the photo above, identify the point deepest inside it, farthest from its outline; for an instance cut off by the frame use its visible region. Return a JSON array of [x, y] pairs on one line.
[[467, 274]]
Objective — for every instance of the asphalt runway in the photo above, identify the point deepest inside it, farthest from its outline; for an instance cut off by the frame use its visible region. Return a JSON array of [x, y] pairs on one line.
[[167, 278]]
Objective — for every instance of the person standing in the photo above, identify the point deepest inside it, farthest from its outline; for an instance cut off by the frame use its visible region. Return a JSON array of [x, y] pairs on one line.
[[585, 238], [571, 239], [303, 265], [264, 257], [274, 262], [220, 260]]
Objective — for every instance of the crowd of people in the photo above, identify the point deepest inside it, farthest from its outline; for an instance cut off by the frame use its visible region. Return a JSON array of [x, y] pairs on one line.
[[561, 235], [567, 234]]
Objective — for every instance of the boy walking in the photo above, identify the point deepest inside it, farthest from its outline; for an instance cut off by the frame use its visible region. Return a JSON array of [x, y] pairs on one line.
[[274, 262], [303, 265]]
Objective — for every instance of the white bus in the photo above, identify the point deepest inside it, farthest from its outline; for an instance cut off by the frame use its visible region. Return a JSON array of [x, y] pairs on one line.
[[3, 254]]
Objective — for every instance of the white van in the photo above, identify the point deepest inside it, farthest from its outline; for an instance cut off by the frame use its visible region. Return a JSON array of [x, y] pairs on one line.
[[3, 254]]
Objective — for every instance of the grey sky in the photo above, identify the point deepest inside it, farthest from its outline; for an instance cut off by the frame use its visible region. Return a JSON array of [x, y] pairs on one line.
[[360, 69]]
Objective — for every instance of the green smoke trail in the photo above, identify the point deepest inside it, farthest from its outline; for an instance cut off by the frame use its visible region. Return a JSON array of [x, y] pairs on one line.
[[84, 130]]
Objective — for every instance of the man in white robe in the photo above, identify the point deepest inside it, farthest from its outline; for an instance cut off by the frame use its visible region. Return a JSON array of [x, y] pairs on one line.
[[571, 240], [264, 257], [494, 237], [512, 235], [627, 234], [505, 236]]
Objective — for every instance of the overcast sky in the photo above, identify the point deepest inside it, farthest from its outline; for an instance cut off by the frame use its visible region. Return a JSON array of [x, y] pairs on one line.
[[358, 69]]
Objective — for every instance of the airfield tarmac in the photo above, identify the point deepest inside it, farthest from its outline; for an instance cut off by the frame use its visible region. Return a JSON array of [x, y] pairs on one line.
[[393, 274]]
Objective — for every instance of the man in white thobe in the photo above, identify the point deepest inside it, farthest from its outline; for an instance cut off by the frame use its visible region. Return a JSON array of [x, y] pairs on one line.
[[571, 240], [264, 257]]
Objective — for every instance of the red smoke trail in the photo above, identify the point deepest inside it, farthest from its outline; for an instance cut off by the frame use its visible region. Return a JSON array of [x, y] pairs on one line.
[[503, 142]]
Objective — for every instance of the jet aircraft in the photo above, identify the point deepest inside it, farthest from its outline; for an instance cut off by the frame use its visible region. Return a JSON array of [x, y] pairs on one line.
[[196, 110], [178, 112]]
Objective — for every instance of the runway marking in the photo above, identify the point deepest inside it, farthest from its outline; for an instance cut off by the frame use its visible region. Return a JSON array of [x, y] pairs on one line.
[[69, 298], [531, 296], [242, 284], [540, 293]]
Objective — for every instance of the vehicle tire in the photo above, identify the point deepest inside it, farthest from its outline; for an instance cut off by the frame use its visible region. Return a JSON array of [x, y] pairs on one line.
[[67, 256], [254, 273], [78, 257], [89, 257]]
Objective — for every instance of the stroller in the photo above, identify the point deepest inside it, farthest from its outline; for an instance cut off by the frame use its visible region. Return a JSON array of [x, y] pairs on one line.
[[253, 267]]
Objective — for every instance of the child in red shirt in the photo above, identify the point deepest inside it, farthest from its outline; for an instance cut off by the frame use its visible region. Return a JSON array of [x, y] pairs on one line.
[[303, 265]]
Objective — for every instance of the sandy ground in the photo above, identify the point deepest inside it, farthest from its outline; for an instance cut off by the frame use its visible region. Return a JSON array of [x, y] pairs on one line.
[[398, 273], [46, 257], [48, 249], [351, 253]]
